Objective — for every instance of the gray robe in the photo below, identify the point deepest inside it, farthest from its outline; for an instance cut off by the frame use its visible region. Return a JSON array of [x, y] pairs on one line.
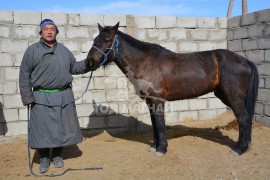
[[52, 122]]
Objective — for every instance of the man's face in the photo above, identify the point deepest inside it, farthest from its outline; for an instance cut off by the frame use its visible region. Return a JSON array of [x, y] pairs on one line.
[[49, 33]]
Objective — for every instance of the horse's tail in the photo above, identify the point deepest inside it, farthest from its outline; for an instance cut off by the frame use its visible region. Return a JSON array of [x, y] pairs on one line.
[[252, 93]]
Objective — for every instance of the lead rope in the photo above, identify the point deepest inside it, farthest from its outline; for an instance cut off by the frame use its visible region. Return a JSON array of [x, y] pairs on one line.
[[30, 164]]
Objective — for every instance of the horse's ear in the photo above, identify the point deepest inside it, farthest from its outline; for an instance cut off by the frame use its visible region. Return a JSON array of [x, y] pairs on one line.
[[100, 27], [115, 28]]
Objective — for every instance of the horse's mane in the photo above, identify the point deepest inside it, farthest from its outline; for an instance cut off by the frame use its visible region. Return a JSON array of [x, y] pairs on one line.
[[144, 46]]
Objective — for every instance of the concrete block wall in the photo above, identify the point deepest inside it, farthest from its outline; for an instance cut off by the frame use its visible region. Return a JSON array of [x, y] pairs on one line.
[[249, 36], [110, 103]]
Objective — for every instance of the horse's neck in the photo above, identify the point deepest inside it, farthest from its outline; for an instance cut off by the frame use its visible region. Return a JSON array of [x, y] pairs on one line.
[[128, 57]]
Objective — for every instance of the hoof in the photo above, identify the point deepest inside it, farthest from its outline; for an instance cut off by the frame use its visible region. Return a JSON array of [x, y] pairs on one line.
[[152, 149], [159, 154], [234, 153]]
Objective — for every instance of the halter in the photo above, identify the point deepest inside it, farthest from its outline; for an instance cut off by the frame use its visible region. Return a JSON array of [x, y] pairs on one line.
[[115, 40]]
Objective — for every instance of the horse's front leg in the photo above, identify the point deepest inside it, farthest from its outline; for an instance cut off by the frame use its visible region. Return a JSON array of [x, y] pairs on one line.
[[156, 109]]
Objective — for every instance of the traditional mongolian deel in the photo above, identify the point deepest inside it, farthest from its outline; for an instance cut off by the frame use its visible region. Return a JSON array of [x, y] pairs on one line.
[[48, 71]]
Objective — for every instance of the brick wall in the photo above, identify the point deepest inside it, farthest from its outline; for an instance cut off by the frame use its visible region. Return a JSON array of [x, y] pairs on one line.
[[110, 102], [249, 36]]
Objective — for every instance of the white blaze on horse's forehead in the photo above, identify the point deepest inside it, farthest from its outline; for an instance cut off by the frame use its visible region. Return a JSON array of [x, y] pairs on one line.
[[141, 84]]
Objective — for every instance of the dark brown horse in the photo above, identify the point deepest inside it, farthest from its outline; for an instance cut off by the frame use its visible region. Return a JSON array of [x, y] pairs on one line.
[[160, 75]]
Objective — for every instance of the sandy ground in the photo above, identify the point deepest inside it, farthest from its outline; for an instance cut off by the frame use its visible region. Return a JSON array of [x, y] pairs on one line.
[[197, 150]]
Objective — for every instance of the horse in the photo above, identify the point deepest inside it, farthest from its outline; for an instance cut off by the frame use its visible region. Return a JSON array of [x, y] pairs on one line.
[[160, 75]]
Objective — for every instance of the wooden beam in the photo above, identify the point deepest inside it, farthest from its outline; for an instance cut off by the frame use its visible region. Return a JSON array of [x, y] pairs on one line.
[[229, 12], [244, 7]]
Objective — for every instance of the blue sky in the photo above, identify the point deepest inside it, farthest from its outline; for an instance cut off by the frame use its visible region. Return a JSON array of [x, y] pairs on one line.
[[191, 8]]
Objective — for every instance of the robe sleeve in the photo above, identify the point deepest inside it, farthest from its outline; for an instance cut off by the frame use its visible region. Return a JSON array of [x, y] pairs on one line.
[[25, 79], [79, 67]]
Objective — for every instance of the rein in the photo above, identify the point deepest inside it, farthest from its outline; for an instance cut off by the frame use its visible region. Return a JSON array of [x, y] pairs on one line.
[[116, 42]]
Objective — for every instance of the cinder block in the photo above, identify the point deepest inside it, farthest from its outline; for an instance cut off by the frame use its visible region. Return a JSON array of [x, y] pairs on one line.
[[145, 21], [23, 114], [123, 108], [79, 84], [5, 59], [240, 33], [230, 34], [263, 16], [73, 46], [5, 31], [22, 127], [177, 34], [267, 55], [186, 22], [222, 22], [73, 19], [188, 46], [264, 95], [13, 46], [222, 44], [188, 115], [255, 30], [256, 56], [249, 44], [248, 19], [113, 70], [259, 108], [12, 73], [267, 110], [17, 58], [113, 19], [176, 106], [58, 18], [215, 103], [156, 34], [217, 34], [197, 104], [235, 45], [22, 17], [203, 46], [10, 115], [110, 82], [234, 22], [12, 101], [26, 32], [207, 23], [6, 16], [199, 34], [122, 82], [94, 96], [12, 129], [86, 46], [91, 19], [10, 87], [85, 110], [264, 43], [207, 114], [99, 83], [77, 33], [165, 21], [267, 83], [264, 69], [117, 95], [171, 117]]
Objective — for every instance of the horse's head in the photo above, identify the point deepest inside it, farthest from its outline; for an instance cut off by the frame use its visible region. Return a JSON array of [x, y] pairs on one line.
[[103, 49]]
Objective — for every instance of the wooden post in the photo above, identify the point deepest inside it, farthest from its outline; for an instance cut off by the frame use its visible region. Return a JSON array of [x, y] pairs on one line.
[[244, 6], [229, 13]]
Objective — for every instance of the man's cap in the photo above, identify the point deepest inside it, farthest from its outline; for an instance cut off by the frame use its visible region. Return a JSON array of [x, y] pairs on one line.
[[45, 22]]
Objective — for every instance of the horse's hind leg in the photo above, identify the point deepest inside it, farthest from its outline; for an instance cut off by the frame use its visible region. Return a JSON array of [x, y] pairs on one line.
[[237, 103], [156, 109]]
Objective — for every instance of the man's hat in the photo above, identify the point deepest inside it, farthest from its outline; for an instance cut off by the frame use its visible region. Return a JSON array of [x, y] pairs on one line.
[[45, 22]]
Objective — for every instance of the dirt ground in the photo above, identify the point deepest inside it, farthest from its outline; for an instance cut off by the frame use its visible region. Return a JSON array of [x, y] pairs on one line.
[[197, 150]]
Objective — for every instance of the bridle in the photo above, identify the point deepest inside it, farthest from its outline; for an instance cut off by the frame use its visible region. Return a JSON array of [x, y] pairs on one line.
[[115, 52]]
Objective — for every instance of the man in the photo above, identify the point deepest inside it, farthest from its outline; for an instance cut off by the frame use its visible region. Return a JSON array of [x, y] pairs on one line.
[[45, 84]]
